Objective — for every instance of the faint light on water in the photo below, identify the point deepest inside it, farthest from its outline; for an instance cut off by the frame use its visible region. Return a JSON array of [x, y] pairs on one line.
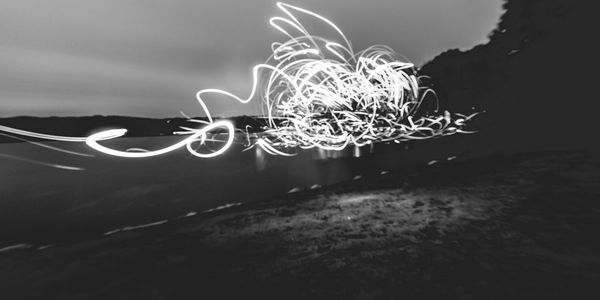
[[356, 152], [364, 150], [260, 158], [349, 151]]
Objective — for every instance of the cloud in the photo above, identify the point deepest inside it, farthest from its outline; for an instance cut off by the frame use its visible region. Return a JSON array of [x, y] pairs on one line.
[[149, 58]]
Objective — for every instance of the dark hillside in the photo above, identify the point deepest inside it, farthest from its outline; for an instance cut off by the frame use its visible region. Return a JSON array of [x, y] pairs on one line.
[[535, 79]]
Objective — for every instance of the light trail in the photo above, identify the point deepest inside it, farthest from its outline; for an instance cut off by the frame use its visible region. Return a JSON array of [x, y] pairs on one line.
[[41, 135], [46, 146], [198, 135], [317, 93], [37, 162]]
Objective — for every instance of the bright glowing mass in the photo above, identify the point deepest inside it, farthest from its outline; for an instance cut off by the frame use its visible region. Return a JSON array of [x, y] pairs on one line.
[[316, 92]]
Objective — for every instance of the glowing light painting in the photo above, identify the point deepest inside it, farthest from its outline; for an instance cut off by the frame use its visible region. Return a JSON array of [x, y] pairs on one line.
[[316, 92]]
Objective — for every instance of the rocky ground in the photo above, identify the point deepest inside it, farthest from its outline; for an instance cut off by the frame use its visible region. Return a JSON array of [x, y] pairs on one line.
[[519, 227]]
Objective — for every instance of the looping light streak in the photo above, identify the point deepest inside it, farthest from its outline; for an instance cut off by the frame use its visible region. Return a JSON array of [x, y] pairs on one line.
[[199, 135], [317, 93]]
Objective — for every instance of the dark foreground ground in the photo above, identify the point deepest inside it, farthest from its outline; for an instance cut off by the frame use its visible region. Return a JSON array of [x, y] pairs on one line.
[[520, 227]]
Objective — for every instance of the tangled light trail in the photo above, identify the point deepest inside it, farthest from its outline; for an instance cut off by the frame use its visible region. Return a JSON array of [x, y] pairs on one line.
[[198, 135], [316, 93]]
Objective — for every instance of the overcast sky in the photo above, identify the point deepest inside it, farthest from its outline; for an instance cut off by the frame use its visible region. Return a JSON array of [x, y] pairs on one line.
[[149, 57]]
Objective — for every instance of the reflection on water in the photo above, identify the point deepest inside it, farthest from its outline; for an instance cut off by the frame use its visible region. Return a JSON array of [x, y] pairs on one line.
[[261, 157]]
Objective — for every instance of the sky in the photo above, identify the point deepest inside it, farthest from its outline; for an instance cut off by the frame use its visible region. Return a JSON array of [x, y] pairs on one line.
[[149, 58]]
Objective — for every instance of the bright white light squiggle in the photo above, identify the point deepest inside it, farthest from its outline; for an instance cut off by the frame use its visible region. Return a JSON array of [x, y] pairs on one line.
[[198, 135], [317, 93]]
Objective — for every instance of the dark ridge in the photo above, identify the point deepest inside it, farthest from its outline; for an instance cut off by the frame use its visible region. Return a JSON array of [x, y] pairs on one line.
[[534, 78]]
